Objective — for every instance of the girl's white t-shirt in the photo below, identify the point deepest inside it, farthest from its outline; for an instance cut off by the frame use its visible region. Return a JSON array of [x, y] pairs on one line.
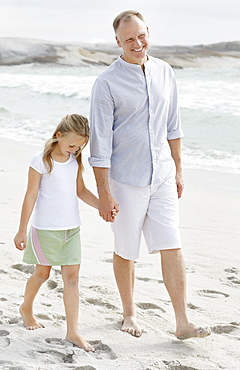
[[57, 206]]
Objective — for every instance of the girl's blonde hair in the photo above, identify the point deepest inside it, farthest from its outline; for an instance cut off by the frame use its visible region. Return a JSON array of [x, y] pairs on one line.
[[71, 124]]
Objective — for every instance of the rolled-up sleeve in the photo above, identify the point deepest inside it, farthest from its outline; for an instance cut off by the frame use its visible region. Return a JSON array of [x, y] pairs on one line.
[[101, 125], [174, 130]]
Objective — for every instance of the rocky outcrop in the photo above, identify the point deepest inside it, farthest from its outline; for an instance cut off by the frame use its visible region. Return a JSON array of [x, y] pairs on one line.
[[15, 51]]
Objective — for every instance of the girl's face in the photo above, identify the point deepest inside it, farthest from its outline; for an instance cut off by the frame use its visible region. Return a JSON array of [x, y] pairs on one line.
[[70, 143]]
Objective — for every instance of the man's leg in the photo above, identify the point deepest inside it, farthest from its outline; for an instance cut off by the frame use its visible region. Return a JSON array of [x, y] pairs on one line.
[[127, 227], [124, 274], [174, 276]]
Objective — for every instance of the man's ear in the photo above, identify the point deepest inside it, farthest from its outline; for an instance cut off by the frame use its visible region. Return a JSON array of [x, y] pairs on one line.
[[118, 42]]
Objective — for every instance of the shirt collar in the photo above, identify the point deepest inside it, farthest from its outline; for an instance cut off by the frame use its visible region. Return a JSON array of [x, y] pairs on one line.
[[132, 65]]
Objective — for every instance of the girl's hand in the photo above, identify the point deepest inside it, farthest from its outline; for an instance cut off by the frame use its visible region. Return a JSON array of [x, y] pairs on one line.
[[114, 212], [20, 240]]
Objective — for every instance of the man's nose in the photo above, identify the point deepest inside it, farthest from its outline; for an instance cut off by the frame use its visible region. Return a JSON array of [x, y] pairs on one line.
[[137, 42]]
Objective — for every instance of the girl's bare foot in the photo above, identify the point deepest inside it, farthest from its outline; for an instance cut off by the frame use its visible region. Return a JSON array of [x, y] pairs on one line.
[[130, 325], [78, 341], [29, 320]]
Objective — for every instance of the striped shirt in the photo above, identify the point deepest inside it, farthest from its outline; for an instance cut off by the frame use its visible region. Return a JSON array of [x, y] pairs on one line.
[[133, 114]]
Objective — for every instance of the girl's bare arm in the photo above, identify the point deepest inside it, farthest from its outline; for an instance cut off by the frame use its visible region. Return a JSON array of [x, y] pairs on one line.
[[86, 195], [34, 178]]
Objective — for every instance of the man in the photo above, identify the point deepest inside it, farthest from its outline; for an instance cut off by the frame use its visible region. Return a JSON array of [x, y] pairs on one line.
[[136, 157]]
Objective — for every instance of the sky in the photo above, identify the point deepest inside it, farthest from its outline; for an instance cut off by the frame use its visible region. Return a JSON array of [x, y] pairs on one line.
[[179, 22]]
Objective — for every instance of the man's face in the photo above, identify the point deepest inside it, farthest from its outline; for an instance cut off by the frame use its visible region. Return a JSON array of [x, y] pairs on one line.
[[133, 38]]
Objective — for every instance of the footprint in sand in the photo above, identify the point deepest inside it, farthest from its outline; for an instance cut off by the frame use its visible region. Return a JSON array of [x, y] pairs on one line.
[[146, 279], [193, 307], [28, 269], [101, 289], [50, 318], [108, 260], [232, 280], [99, 302], [51, 284], [212, 293], [149, 306], [4, 340], [87, 367], [141, 264], [176, 365], [102, 351], [60, 350], [58, 357], [225, 328], [56, 341], [13, 320], [232, 270], [57, 271]]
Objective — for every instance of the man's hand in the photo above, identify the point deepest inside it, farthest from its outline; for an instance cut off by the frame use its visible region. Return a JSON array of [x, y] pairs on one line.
[[175, 147], [180, 185], [108, 207]]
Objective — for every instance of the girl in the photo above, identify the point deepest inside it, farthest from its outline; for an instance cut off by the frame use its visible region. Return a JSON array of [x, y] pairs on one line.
[[54, 183]]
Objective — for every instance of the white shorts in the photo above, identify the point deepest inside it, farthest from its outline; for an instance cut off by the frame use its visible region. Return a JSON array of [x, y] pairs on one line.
[[151, 209]]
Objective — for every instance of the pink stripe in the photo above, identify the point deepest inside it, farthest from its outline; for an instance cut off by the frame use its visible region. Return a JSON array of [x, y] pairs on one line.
[[37, 247]]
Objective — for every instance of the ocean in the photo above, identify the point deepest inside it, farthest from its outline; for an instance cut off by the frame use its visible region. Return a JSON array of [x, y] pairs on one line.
[[34, 97]]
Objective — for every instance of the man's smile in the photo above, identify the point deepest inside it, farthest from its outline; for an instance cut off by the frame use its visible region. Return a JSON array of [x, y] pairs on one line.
[[140, 49]]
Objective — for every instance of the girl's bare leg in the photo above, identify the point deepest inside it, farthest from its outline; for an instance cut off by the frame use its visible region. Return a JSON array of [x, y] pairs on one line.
[[71, 303], [40, 275]]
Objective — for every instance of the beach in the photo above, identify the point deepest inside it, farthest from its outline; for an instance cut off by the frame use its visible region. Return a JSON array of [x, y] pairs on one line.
[[209, 221]]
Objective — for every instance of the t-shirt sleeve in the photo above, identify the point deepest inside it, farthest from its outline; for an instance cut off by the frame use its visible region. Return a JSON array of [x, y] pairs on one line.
[[37, 164]]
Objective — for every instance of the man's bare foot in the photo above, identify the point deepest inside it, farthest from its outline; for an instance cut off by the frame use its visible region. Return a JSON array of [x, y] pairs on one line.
[[78, 341], [192, 331], [130, 325], [29, 320]]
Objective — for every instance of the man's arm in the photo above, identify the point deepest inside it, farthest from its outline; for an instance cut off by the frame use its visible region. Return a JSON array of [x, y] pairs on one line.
[[107, 203], [175, 146]]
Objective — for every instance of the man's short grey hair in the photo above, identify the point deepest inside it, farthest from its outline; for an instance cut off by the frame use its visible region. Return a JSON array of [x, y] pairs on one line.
[[126, 16]]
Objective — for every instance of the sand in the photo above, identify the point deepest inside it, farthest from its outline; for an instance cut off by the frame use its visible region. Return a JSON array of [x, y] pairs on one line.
[[210, 215]]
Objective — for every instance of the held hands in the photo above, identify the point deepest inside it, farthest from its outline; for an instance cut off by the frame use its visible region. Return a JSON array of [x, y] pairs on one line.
[[20, 240], [108, 208]]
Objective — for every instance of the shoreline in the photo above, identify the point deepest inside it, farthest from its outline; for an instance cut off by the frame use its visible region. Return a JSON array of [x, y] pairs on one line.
[[209, 223]]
